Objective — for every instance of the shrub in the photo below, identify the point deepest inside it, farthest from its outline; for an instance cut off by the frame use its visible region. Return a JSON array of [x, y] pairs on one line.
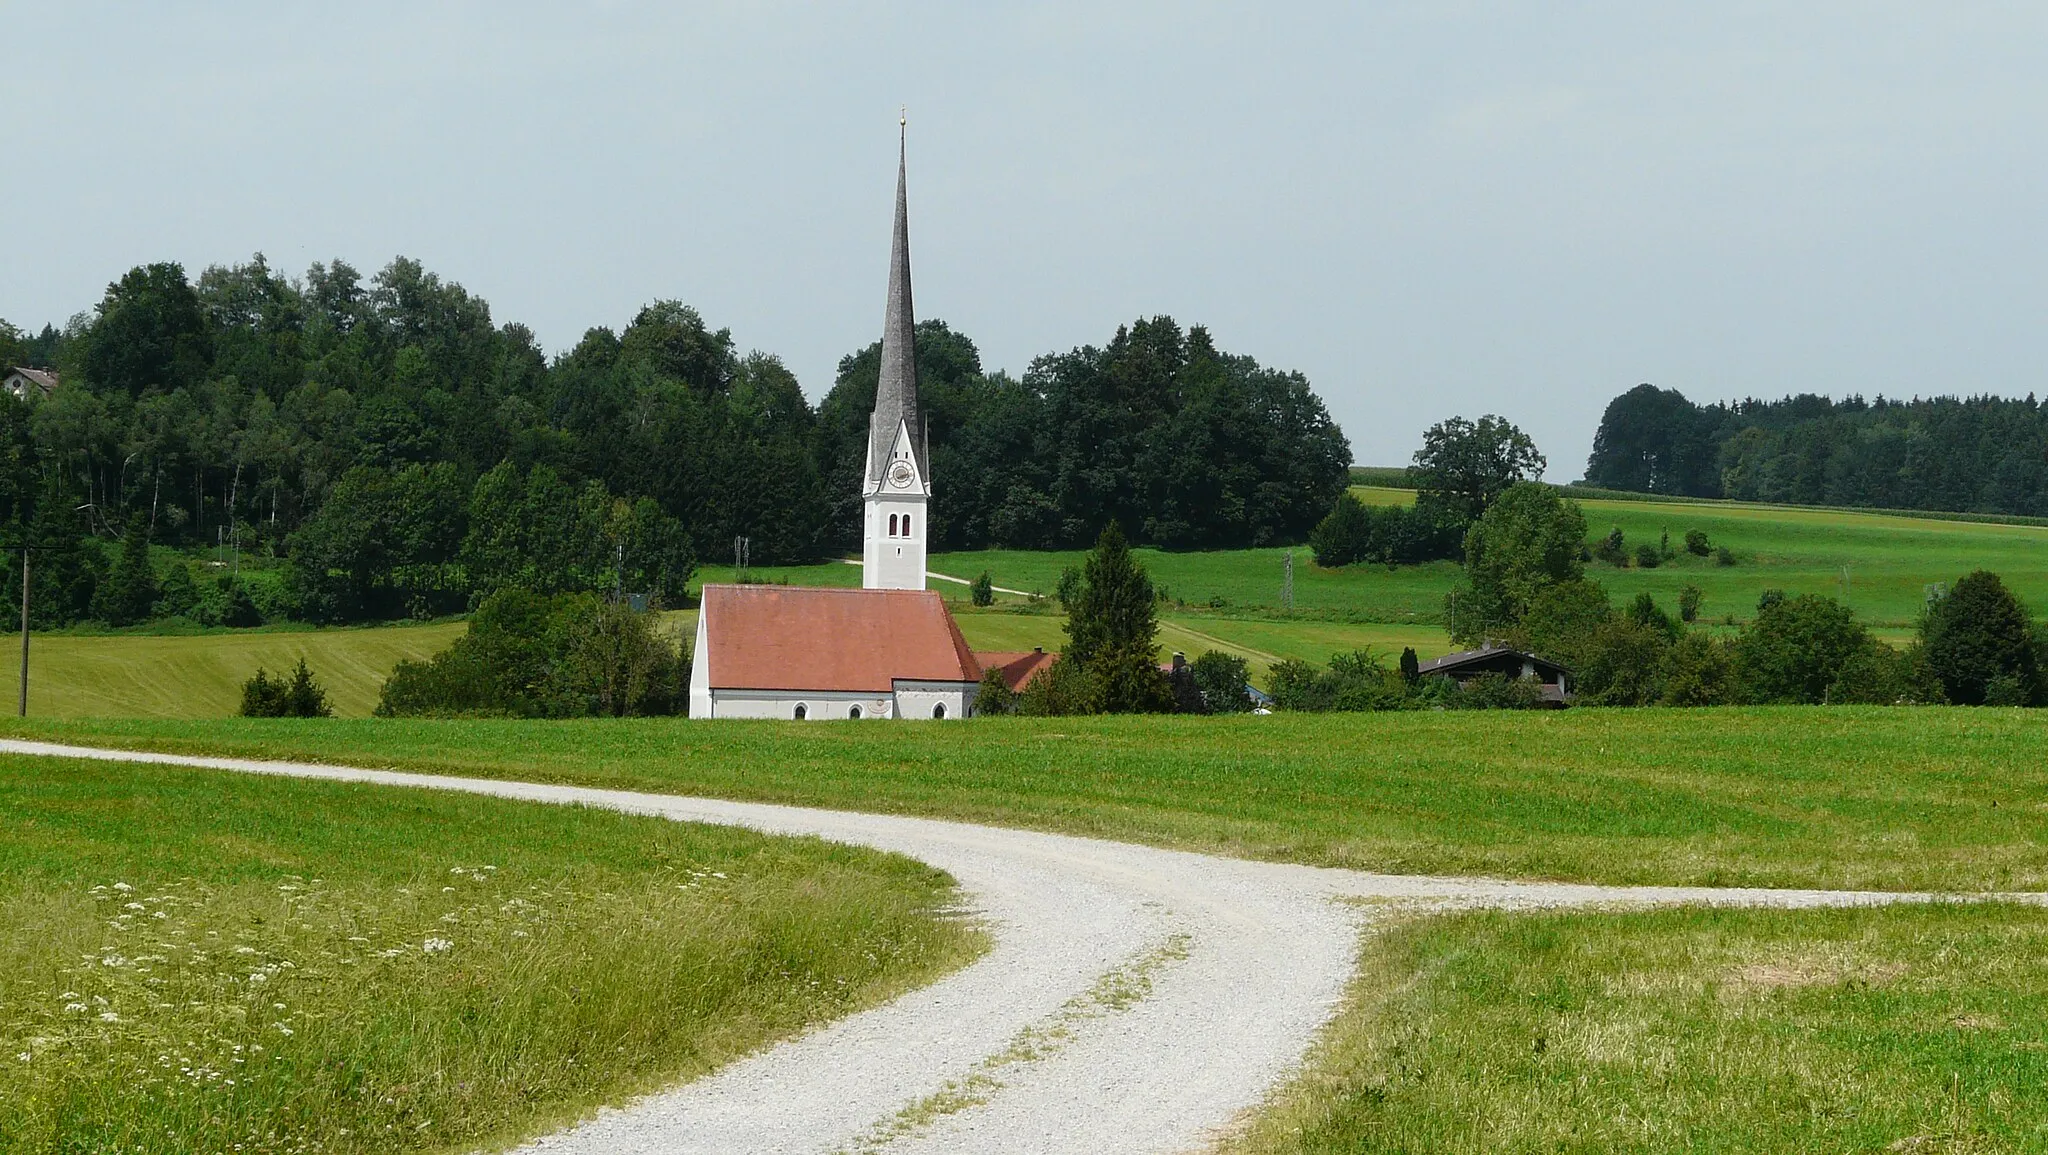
[[982, 590], [1874, 675], [1689, 599], [1797, 649], [1061, 689], [1723, 556], [995, 696], [1699, 670], [300, 696], [1221, 679], [1491, 691], [1343, 536], [1977, 633], [1621, 663], [1411, 666], [1356, 681], [1696, 542], [1648, 557], [537, 656], [1613, 549], [2007, 690]]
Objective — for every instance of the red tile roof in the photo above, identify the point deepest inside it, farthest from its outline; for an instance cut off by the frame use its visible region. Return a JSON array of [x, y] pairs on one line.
[[848, 640], [1019, 667]]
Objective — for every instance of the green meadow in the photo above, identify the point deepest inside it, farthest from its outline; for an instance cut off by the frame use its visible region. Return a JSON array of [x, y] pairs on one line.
[[202, 961], [1894, 798], [1880, 564], [1915, 1028]]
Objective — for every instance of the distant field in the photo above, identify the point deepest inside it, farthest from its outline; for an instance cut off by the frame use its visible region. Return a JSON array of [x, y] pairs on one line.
[[1937, 798], [201, 675], [199, 961], [1890, 559]]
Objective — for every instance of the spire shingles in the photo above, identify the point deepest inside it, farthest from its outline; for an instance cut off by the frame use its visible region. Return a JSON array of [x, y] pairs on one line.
[[896, 394]]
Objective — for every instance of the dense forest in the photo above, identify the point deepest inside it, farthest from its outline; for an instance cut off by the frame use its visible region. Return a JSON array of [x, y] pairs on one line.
[[393, 451], [1975, 454]]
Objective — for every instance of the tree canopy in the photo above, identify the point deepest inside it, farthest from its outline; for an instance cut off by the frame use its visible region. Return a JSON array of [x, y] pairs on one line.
[[406, 454]]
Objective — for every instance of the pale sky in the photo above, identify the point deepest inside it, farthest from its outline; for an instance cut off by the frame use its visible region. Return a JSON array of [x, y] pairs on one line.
[[1429, 209]]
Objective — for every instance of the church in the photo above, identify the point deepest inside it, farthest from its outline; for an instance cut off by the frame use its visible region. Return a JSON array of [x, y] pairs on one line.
[[889, 649]]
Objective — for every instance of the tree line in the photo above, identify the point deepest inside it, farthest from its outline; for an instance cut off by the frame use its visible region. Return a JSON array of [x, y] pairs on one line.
[[404, 455], [1964, 454]]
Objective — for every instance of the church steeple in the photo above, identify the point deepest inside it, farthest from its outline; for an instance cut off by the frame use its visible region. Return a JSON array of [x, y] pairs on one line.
[[896, 394], [897, 488]]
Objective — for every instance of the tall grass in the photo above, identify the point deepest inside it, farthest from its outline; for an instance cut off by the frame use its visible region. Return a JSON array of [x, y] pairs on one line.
[[192, 961]]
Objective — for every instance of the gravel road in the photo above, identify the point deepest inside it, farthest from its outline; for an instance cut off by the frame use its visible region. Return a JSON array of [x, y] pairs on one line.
[[1135, 999]]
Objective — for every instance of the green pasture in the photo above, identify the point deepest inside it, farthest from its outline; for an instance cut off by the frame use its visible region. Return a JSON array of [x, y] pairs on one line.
[[1931, 798], [1881, 564], [201, 675], [200, 961], [1914, 1028]]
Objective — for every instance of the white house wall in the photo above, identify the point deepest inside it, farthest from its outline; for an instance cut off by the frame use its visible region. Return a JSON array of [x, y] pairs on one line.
[[700, 669]]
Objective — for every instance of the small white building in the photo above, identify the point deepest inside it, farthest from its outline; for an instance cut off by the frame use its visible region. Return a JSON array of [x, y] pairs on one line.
[[23, 381]]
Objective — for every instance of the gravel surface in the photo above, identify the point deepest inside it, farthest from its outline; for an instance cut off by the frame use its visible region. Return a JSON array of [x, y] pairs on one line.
[[1135, 999]]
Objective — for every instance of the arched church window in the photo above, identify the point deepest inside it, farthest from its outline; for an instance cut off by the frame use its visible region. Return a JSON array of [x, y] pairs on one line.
[[939, 710], [892, 525], [906, 525], [802, 712], [853, 713]]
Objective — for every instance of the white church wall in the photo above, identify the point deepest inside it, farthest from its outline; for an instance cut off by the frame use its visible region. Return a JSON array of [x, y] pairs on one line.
[[917, 699], [700, 670], [819, 706]]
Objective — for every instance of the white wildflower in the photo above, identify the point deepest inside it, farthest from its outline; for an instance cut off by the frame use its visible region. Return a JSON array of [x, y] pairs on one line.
[[24, 1056], [436, 945], [245, 950], [133, 906], [74, 1008], [123, 887], [109, 1017], [258, 977]]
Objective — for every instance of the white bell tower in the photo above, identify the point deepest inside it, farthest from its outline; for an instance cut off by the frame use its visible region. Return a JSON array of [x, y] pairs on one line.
[[897, 485]]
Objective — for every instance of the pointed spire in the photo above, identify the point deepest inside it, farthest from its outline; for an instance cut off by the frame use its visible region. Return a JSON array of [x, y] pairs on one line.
[[896, 394]]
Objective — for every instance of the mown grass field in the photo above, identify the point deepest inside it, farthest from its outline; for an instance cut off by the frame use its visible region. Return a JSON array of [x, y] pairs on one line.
[[199, 961], [1892, 798], [201, 675], [1890, 559], [1897, 1029]]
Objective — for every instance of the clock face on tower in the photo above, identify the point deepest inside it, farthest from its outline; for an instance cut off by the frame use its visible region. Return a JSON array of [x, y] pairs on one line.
[[901, 475]]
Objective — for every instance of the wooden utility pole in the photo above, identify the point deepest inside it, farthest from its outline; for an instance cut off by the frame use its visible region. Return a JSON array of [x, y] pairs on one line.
[[24, 631]]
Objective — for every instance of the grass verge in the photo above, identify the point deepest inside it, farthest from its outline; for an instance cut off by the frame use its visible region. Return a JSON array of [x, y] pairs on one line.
[[199, 961], [1869, 798], [1913, 1028]]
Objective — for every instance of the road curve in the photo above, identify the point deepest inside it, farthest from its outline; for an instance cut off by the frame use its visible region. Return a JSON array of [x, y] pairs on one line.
[[1134, 1000]]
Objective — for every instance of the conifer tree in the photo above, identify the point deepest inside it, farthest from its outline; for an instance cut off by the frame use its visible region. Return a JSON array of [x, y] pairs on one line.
[[1112, 629]]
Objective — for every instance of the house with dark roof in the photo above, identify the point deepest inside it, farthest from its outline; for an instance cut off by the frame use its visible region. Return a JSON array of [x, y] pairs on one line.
[[20, 381], [1553, 680], [889, 649]]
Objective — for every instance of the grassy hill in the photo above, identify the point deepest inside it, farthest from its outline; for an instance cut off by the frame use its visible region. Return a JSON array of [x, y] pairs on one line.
[[201, 675]]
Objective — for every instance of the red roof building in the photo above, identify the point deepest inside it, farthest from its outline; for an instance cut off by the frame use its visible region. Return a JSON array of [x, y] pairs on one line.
[[806, 653]]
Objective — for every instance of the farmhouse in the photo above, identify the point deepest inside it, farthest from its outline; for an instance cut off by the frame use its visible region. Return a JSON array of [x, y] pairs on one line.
[[1552, 679], [887, 650], [20, 381]]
